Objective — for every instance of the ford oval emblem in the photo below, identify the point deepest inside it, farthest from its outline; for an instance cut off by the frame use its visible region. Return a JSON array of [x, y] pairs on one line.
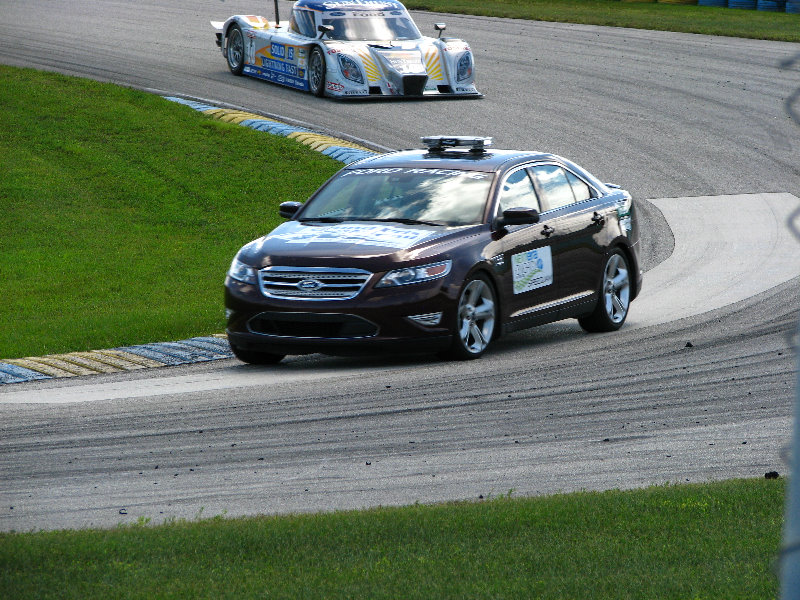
[[309, 285]]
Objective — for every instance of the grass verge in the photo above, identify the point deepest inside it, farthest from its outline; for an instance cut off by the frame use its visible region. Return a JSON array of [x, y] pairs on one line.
[[639, 15], [121, 212], [716, 540]]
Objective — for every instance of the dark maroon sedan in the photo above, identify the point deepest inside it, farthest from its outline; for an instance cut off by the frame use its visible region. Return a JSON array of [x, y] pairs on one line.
[[436, 250]]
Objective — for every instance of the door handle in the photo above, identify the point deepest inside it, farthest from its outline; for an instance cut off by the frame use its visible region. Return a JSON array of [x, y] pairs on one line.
[[598, 219], [547, 231]]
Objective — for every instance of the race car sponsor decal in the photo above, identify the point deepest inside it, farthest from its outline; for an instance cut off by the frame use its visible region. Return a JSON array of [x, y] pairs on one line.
[[354, 233], [275, 77], [282, 51], [334, 87], [280, 63], [371, 4], [405, 63], [532, 269], [280, 67]]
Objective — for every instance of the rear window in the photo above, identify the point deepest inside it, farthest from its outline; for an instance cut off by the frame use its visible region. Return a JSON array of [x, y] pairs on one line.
[[553, 187]]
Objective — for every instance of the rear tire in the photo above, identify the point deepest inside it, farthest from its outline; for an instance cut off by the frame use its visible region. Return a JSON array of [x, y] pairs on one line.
[[254, 357], [234, 50], [476, 315], [614, 297]]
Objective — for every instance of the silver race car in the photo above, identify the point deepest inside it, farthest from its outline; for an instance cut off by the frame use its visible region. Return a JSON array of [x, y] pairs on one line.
[[348, 49]]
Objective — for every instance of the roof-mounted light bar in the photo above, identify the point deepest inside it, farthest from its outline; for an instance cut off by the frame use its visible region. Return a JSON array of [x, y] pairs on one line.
[[439, 143]]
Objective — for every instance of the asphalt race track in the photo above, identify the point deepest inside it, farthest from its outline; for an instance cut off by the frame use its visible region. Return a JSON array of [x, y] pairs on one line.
[[698, 386]]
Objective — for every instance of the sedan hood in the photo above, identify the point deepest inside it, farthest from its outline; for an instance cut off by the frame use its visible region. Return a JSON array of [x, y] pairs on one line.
[[308, 244]]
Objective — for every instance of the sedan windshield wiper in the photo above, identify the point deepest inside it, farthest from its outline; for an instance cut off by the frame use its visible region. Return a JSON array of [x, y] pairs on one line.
[[321, 219], [402, 220]]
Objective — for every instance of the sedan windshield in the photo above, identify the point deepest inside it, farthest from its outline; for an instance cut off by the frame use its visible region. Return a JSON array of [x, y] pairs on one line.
[[406, 195], [372, 28]]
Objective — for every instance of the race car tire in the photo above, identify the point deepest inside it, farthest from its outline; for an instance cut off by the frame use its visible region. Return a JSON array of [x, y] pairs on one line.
[[316, 72], [255, 357], [234, 50], [614, 296], [476, 314]]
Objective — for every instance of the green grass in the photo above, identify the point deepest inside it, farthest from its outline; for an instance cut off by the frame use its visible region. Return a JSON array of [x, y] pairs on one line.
[[121, 212], [639, 15], [717, 540]]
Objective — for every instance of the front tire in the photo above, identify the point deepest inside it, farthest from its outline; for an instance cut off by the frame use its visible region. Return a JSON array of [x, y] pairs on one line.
[[234, 50], [316, 72], [476, 316], [614, 298], [254, 357]]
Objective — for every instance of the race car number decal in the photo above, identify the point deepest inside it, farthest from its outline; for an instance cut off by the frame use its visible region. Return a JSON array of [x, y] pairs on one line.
[[532, 269], [347, 233], [282, 51]]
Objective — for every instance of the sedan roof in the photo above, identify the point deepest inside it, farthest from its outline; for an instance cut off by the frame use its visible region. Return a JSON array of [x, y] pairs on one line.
[[488, 160]]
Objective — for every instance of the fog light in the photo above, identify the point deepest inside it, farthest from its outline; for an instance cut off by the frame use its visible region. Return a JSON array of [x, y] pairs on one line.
[[428, 320]]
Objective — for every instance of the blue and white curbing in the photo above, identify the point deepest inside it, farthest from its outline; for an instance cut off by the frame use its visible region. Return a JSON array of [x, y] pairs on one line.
[[338, 149]]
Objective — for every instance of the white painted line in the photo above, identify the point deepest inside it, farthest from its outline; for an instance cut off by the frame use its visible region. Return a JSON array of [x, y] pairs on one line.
[[180, 384]]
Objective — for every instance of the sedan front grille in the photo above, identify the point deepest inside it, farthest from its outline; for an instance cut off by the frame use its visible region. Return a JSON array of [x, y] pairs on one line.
[[312, 283], [312, 325]]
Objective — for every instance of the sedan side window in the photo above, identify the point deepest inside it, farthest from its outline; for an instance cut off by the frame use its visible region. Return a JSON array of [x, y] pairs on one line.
[[302, 22], [579, 188], [553, 187], [517, 192]]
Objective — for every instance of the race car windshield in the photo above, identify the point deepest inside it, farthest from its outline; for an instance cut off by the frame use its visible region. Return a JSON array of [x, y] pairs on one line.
[[448, 197], [372, 28]]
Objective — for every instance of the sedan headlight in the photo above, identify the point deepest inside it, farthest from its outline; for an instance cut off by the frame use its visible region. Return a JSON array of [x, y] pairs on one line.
[[415, 274], [350, 69], [242, 272], [464, 70]]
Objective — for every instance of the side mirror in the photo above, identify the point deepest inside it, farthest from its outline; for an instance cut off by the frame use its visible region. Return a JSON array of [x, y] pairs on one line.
[[324, 29], [289, 209], [613, 186], [440, 27], [518, 216]]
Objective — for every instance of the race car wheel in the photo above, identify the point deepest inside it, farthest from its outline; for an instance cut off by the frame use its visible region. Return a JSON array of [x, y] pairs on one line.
[[255, 357], [316, 72], [234, 50], [614, 298], [475, 319]]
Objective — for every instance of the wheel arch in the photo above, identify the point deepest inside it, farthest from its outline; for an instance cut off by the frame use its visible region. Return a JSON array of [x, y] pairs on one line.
[[633, 264], [487, 272], [318, 45], [227, 31]]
